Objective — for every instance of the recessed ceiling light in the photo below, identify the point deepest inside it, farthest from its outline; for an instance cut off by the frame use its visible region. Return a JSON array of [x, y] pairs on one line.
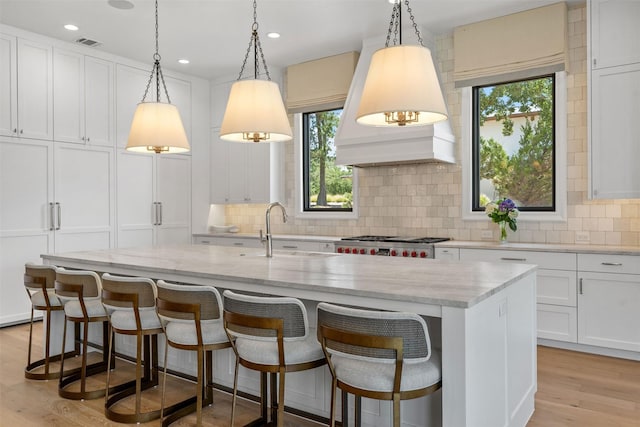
[[71, 27], [121, 4], [273, 35], [183, 61]]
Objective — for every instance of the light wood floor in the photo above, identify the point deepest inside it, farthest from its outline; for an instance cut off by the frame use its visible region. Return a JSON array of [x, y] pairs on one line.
[[574, 389]]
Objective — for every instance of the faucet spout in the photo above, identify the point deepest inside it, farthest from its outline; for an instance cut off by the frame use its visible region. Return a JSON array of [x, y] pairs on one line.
[[268, 240]]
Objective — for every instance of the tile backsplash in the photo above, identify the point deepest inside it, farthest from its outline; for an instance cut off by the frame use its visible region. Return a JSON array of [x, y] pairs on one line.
[[425, 199]]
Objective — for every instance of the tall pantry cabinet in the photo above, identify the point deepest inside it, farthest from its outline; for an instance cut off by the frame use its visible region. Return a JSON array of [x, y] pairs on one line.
[[614, 98], [66, 181]]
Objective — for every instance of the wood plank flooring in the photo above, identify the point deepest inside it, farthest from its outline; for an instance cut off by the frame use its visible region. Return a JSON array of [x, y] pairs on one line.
[[574, 390]]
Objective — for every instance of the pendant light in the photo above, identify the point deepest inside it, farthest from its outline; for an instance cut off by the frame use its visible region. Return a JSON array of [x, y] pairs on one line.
[[255, 111], [157, 126], [401, 88]]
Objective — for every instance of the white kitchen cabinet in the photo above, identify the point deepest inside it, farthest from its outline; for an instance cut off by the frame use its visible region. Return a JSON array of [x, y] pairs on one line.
[[447, 253], [555, 290], [26, 107], [615, 34], [131, 84], [609, 301], [614, 98], [154, 199], [219, 98], [243, 242], [54, 199], [83, 93], [246, 172]]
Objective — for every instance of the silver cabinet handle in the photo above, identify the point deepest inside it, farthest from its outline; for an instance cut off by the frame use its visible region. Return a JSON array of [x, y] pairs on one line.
[[238, 244], [88, 139], [51, 215], [513, 259], [15, 130], [580, 287], [204, 242], [614, 264], [59, 216], [289, 247], [160, 217], [155, 213]]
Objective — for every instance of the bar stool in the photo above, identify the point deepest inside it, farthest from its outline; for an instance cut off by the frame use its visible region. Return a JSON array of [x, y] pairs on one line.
[[379, 355], [131, 304], [191, 318], [269, 335], [79, 292], [39, 283]]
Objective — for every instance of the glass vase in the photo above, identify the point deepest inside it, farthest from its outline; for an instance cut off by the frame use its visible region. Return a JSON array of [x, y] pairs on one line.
[[503, 231]]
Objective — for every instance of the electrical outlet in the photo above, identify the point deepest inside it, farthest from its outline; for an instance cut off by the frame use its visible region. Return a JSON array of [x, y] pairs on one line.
[[582, 237], [487, 234]]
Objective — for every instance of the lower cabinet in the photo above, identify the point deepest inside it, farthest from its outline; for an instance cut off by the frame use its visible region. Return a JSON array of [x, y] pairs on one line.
[[254, 242], [609, 302]]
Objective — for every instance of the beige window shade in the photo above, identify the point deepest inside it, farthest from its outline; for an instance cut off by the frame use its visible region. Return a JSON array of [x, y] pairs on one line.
[[512, 47], [321, 84]]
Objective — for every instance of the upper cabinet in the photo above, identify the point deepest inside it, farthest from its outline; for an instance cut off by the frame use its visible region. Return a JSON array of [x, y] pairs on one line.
[[614, 135], [83, 93], [26, 101]]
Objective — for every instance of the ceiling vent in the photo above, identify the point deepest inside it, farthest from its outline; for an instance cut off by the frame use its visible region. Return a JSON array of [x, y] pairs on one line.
[[88, 42]]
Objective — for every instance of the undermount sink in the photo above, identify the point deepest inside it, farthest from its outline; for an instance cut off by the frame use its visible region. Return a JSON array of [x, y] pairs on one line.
[[277, 253]]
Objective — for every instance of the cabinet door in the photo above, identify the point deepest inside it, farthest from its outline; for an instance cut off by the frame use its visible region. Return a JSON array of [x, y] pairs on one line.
[[84, 191], [608, 310], [615, 33], [130, 85], [258, 178], [8, 86], [219, 169], [238, 172], [180, 94], [447, 253], [35, 92], [68, 96], [615, 141], [135, 200], [173, 175], [219, 98], [26, 186], [98, 111]]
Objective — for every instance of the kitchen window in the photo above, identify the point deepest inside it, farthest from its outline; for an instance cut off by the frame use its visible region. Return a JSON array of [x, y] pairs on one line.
[[516, 133], [323, 189]]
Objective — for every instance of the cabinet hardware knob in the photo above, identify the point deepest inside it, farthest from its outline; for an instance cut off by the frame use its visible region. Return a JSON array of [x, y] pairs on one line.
[[15, 130], [21, 131]]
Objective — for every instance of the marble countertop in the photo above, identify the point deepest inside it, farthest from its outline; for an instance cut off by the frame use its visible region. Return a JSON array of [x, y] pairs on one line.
[[434, 282], [543, 247]]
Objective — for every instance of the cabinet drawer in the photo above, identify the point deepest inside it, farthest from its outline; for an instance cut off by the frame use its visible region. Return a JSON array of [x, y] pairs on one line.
[[601, 263], [557, 323], [545, 260], [556, 287], [296, 245], [447, 253]]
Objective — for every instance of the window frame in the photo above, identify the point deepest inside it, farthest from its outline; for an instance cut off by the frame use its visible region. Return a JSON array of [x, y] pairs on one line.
[[560, 157], [298, 141]]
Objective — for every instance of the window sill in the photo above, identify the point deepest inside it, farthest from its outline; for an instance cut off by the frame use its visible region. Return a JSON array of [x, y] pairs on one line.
[[522, 217]]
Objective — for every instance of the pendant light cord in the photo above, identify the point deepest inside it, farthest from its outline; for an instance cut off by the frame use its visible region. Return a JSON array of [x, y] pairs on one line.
[[257, 48], [395, 25], [157, 70]]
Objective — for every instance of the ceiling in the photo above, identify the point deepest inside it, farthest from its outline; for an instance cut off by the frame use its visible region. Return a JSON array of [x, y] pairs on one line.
[[214, 34]]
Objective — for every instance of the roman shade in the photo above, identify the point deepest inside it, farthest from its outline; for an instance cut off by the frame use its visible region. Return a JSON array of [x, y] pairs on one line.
[[321, 84], [512, 47]]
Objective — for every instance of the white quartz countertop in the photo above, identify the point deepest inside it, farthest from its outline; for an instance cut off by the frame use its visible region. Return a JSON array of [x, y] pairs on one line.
[[435, 282], [542, 247]]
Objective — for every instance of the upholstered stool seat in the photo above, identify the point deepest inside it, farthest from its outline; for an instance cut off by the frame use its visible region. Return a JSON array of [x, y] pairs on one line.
[[270, 335], [192, 320], [79, 292], [131, 304], [377, 354], [39, 282]]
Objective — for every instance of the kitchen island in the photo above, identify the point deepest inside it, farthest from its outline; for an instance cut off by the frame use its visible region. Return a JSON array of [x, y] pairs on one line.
[[482, 315]]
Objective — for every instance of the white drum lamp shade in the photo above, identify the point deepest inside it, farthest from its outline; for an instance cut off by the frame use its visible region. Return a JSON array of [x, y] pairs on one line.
[[255, 112], [157, 127], [401, 79]]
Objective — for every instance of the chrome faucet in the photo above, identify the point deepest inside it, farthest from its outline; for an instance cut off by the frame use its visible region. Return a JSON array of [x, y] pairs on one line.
[[267, 239]]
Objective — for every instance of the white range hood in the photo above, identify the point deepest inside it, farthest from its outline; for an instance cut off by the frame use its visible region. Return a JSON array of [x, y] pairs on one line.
[[363, 146]]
